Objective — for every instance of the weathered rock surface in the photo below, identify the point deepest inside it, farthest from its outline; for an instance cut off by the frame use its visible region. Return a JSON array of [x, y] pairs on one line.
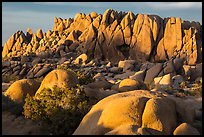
[[123, 52], [152, 73], [19, 89], [129, 84], [158, 116], [139, 75], [124, 130], [5, 86], [186, 129], [103, 84], [134, 112], [114, 37], [114, 111], [82, 59], [59, 78]]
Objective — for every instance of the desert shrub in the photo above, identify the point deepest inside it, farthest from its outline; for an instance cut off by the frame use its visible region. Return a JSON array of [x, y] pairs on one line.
[[196, 90], [52, 38], [65, 67], [11, 106], [184, 84], [61, 109], [84, 79], [61, 67], [192, 89]]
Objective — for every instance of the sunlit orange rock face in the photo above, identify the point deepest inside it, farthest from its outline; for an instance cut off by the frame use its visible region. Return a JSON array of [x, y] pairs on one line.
[[115, 36], [59, 78], [138, 112], [19, 89]]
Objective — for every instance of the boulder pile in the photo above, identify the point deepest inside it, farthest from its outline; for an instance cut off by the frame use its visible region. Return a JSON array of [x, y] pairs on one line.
[[113, 36], [145, 72]]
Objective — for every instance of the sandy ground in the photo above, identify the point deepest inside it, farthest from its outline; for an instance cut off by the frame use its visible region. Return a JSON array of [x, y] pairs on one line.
[[12, 125]]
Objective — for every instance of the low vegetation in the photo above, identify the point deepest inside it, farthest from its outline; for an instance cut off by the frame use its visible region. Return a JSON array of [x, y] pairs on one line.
[[185, 89], [84, 79], [192, 89], [60, 109]]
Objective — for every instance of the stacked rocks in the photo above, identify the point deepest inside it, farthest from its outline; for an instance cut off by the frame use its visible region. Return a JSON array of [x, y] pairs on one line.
[[113, 36]]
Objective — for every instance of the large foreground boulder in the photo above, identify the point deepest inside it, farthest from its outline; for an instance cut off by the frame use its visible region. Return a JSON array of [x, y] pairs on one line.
[[114, 111], [138, 112], [158, 116]]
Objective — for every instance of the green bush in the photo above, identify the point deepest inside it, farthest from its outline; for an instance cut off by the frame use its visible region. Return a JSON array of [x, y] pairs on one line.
[[60, 109], [84, 79], [192, 89]]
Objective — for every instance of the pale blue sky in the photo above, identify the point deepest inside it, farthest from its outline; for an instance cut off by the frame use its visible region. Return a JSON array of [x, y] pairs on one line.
[[22, 15]]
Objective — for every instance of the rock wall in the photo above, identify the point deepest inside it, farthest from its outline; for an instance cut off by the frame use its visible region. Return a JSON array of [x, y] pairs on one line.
[[113, 36]]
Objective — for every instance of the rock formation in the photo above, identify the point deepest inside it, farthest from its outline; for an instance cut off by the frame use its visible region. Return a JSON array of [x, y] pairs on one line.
[[19, 89], [142, 72], [124, 113], [113, 36]]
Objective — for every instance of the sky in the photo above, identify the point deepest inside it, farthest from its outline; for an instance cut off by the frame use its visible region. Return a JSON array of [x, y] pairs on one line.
[[22, 15]]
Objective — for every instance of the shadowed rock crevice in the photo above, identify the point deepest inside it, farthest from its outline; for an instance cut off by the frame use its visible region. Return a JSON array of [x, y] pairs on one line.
[[124, 49]]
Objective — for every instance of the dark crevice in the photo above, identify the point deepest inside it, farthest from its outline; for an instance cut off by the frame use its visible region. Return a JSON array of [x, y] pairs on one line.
[[91, 50], [158, 38], [124, 49], [91, 53], [164, 28], [78, 33]]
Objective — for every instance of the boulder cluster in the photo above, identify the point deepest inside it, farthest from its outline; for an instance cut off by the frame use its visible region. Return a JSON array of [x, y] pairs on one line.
[[139, 112], [113, 36], [127, 105], [146, 71]]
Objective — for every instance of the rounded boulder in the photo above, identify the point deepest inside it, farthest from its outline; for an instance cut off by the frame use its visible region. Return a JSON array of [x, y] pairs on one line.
[[110, 114], [59, 78], [130, 84], [160, 115], [186, 129], [82, 59], [19, 89]]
